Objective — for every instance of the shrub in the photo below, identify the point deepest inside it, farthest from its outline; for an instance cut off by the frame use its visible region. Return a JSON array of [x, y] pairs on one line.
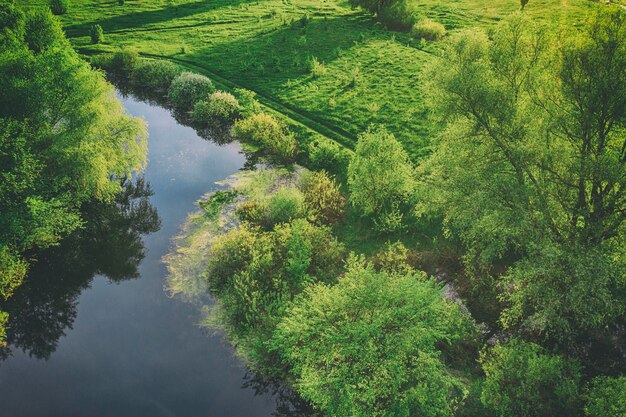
[[283, 206], [59, 7], [322, 197], [12, 271], [96, 33], [369, 345], [316, 68], [606, 397], [42, 30], [380, 177], [155, 74], [524, 381], [399, 15], [188, 88], [429, 30], [248, 104], [267, 132], [394, 259], [254, 274], [124, 62], [220, 107], [329, 156], [251, 212], [395, 14]]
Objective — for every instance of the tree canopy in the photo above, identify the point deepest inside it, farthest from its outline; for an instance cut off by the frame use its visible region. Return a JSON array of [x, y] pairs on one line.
[[530, 169], [64, 139]]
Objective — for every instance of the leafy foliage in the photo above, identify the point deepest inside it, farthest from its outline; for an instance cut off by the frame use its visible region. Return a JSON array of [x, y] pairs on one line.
[[59, 7], [42, 31], [254, 274], [522, 380], [96, 33], [396, 14], [380, 175], [511, 189], [188, 88], [264, 130], [155, 74], [367, 346], [606, 397], [248, 104], [322, 197], [11, 25], [220, 106]]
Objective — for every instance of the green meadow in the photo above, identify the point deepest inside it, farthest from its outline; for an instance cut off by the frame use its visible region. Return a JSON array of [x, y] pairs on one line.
[[363, 73]]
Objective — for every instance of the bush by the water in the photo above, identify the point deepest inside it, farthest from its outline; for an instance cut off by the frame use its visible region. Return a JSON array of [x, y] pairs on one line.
[[188, 88], [322, 197], [121, 63], [264, 130], [429, 30], [254, 274], [381, 178], [220, 106], [96, 33], [283, 206], [59, 7], [155, 74]]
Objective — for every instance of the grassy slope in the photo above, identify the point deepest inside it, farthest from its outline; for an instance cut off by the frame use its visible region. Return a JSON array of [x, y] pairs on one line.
[[373, 75]]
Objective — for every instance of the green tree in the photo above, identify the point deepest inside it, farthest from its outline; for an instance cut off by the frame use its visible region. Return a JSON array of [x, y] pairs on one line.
[[11, 25], [96, 33], [322, 197], [64, 140], [369, 345], [188, 88], [532, 157], [59, 7], [380, 175], [606, 397], [254, 274], [42, 30], [524, 381]]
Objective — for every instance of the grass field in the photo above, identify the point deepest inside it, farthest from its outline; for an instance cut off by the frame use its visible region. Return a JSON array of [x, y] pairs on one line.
[[368, 73]]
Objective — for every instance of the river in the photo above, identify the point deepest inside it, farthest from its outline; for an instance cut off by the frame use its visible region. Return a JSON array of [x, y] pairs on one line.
[[93, 331]]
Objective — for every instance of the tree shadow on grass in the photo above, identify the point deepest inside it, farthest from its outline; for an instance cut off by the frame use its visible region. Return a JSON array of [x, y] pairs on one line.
[[284, 52], [149, 17]]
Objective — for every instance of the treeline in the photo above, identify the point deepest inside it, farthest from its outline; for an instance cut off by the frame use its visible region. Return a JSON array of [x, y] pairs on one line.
[[64, 139], [526, 181]]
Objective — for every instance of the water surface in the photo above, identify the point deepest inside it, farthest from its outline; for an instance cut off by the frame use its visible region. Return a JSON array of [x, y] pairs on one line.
[[93, 332]]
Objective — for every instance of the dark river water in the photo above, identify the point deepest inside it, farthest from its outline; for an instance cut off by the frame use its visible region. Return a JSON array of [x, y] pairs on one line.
[[92, 331]]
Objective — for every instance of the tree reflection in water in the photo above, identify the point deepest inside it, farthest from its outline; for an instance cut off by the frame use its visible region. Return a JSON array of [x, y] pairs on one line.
[[288, 402], [110, 244]]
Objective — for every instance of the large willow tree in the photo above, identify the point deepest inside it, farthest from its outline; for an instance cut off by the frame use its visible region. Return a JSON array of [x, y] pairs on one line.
[[64, 139], [530, 171]]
